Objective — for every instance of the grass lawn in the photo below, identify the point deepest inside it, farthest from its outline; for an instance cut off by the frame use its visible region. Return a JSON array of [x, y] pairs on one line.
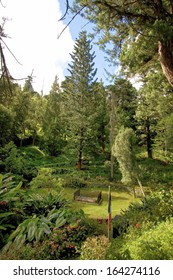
[[120, 201]]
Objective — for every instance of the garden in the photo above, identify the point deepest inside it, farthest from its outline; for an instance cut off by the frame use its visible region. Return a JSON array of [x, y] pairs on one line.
[[39, 218]]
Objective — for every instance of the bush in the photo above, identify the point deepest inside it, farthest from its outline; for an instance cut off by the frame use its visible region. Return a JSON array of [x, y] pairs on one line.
[[74, 182], [51, 237], [155, 208], [144, 244], [36, 204], [94, 248], [35, 228], [45, 179], [10, 206], [34, 251]]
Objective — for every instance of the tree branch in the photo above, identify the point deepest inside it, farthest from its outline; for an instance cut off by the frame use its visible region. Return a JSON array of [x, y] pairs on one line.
[[66, 11], [77, 13], [10, 51]]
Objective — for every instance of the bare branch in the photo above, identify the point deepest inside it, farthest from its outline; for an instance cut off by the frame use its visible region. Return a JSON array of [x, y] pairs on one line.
[[77, 13], [66, 11], [5, 72], [10, 51], [2, 4]]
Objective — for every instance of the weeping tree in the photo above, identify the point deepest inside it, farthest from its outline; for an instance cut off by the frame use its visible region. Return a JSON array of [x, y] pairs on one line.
[[123, 150]]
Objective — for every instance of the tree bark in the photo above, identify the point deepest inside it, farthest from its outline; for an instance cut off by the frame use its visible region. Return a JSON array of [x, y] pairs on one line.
[[166, 59], [80, 152], [148, 139]]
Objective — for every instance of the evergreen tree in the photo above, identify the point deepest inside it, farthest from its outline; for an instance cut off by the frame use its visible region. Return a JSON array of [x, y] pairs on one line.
[[28, 85], [122, 99], [155, 103], [101, 120], [21, 108], [140, 30], [80, 99], [52, 124]]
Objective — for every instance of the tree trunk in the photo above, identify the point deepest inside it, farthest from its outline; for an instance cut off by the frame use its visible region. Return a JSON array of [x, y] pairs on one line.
[[34, 138], [80, 152], [112, 130], [148, 139], [166, 59], [103, 139]]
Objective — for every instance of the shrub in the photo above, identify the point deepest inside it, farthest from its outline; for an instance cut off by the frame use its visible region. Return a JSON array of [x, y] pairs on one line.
[[36, 204], [94, 248], [144, 244], [74, 182], [155, 208], [66, 242], [10, 206], [35, 228], [45, 179], [51, 237], [14, 163]]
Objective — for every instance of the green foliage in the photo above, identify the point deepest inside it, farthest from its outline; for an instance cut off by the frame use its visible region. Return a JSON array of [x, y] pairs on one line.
[[80, 102], [35, 228], [39, 205], [66, 242], [13, 161], [153, 209], [53, 123], [94, 248], [6, 123], [163, 141], [74, 182], [45, 179], [144, 243], [59, 235], [134, 30], [10, 206], [124, 153]]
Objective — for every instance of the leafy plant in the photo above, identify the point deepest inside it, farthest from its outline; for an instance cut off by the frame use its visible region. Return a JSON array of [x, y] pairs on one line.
[[94, 248], [154, 208], [10, 205], [66, 242], [45, 179], [74, 182], [39, 205], [35, 228], [144, 243]]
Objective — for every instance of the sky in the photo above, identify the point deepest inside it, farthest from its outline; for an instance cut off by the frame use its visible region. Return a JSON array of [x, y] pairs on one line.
[[33, 28]]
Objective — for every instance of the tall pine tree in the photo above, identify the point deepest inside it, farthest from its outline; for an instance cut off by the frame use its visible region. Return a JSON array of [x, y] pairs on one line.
[[80, 98]]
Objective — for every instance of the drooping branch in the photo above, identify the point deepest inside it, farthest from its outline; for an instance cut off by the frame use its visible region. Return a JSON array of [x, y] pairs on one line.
[[66, 11]]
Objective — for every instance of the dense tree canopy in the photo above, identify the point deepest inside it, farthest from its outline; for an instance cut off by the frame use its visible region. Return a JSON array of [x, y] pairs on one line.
[[141, 31]]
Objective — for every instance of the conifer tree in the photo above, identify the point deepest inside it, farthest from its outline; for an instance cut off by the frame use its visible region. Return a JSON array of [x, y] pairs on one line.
[[80, 99], [52, 124]]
